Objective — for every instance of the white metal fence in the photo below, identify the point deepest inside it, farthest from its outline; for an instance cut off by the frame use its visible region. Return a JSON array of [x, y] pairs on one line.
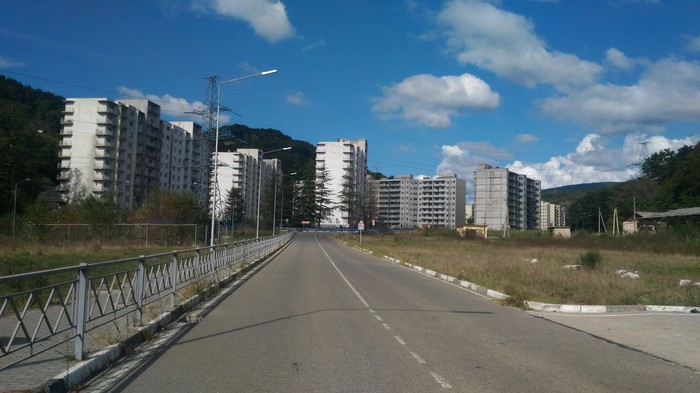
[[44, 309]]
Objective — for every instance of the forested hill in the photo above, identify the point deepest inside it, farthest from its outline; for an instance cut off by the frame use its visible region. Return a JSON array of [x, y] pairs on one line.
[[30, 122], [300, 158]]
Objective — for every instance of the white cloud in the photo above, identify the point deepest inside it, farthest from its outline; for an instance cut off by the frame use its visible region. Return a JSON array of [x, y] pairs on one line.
[[433, 100], [8, 63], [618, 59], [668, 91], [268, 18], [298, 99], [505, 43], [594, 161], [693, 44], [174, 106], [463, 158], [406, 149], [526, 138]]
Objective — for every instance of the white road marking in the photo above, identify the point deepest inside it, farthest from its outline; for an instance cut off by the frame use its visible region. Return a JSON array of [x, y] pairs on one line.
[[418, 358], [442, 381], [342, 275]]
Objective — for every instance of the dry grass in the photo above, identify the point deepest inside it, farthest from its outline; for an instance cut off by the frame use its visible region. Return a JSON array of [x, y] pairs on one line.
[[503, 265]]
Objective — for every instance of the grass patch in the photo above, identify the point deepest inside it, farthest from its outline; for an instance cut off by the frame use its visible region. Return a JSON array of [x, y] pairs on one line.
[[504, 264]]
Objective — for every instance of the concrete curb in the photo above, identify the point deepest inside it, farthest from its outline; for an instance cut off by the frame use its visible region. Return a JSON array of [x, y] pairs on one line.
[[101, 360], [536, 306]]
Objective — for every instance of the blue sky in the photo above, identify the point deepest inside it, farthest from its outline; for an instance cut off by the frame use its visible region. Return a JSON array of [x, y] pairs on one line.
[[563, 91]]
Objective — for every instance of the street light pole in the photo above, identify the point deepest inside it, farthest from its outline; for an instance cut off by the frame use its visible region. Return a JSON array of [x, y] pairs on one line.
[[14, 208], [216, 145], [281, 204], [260, 165]]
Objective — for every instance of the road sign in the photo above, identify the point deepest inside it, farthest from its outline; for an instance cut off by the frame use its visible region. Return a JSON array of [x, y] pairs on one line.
[[361, 225]]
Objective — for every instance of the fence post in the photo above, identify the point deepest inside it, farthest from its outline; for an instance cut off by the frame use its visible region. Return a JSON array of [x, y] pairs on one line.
[[81, 297], [225, 259], [196, 265], [140, 289], [174, 278]]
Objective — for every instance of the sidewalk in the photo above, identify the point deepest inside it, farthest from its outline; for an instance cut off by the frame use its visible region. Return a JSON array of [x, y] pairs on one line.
[[674, 337]]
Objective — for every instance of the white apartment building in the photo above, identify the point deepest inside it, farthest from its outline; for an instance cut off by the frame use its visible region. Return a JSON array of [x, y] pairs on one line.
[[119, 148], [241, 170], [193, 145], [504, 199], [441, 201], [405, 202], [397, 201], [551, 215], [334, 160]]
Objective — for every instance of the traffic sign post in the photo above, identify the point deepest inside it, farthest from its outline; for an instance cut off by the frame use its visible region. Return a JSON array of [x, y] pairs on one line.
[[361, 227]]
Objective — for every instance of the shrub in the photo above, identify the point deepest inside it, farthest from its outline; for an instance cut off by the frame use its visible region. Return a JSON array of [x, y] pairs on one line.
[[590, 259]]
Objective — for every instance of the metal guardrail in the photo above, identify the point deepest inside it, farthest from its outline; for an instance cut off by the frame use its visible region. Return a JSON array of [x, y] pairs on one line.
[[66, 303]]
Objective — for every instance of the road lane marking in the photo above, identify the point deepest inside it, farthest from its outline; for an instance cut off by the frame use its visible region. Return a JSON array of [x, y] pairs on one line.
[[442, 381], [418, 358], [342, 275]]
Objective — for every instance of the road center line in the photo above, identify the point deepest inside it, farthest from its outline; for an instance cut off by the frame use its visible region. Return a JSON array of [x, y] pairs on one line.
[[438, 378], [341, 274]]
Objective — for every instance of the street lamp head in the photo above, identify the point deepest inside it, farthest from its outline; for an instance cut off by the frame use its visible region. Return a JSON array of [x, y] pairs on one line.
[[268, 72], [287, 148]]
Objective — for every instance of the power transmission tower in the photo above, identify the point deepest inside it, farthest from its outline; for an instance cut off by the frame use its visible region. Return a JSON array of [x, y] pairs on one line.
[[643, 154], [208, 113]]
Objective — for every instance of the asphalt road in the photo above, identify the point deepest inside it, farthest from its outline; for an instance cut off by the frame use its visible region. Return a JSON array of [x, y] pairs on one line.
[[322, 317]]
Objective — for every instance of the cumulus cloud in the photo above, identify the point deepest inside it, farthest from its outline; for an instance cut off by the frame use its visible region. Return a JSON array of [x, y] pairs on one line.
[[595, 161], [668, 91], [298, 99], [618, 59], [174, 106], [693, 44], [432, 100], [526, 138], [463, 158], [267, 18], [505, 43], [9, 63]]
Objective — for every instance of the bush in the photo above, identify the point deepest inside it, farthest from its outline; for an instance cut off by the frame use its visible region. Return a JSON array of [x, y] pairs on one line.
[[590, 259]]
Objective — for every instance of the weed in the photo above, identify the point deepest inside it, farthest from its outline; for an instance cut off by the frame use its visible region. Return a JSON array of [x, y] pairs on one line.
[[590, 259]]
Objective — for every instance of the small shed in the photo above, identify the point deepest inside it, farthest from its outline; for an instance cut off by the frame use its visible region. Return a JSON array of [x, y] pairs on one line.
[[644, 221], [474, 231], [561, 232]]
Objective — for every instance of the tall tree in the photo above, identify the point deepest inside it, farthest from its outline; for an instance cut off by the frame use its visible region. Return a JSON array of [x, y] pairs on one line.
[[323, 205], [235, 207], [349, 198]]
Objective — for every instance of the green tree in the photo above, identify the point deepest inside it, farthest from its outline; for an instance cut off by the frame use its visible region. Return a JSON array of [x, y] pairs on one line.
[[323, 206], [349, 197], [235, 207]]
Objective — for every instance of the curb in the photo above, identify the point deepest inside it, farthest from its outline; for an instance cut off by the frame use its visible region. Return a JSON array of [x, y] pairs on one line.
[[101, 360], [537, 306]]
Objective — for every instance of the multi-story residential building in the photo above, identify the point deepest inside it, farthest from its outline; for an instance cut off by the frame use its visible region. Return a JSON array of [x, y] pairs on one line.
[[504, 199], [405, 201], [552, 215], [441, 201], [397, 201], [194, 161], [340, 165], [120, 148], [241, 170]]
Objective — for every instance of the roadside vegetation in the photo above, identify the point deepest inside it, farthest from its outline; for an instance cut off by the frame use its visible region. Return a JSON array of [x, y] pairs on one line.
[[530, 265]]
